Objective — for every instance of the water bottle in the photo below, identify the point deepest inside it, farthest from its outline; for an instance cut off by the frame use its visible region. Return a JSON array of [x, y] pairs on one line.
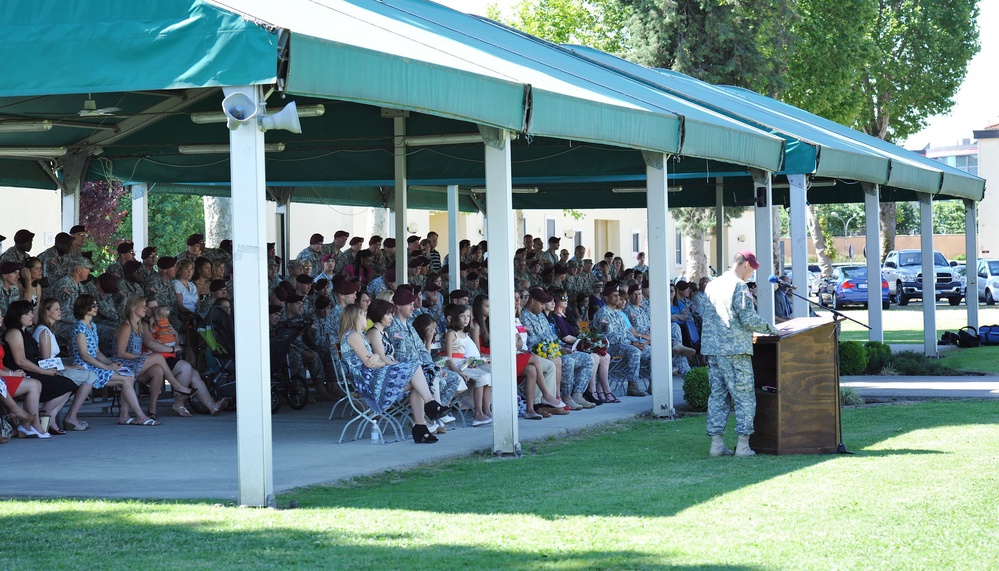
[[376, 435]]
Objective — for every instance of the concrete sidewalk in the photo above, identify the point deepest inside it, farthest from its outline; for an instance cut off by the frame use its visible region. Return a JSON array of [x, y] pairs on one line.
[[196, 457]]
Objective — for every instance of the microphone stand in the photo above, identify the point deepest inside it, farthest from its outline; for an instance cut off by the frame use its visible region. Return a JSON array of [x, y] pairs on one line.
[[841, 448], [835, 312]]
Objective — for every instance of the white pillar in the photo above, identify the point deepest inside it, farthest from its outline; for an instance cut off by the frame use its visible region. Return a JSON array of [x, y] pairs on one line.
[[140, 218], [764, 244], [798, 218], [454, 258], [971, 252], [499, 205], [657, 210], [721, 260], [929, 275], [872, 213], [70, 209], [400, 203], [283, 237], [253, 368]]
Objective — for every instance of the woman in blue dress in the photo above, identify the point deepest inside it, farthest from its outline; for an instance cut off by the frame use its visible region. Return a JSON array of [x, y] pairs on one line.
[[380, 383], [87, 354]]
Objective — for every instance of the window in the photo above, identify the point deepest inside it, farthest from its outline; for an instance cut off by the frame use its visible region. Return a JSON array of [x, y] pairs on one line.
[[549, 228], [636, 241], [678, 248], [577, 237]]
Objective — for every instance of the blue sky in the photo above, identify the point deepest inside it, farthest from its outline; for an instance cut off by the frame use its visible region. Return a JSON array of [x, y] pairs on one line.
[[975, 103]]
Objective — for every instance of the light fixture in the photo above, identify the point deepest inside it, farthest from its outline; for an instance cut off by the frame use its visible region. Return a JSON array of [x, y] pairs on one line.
[[203, 117], [641, 189], [222, 149], [33, 152], [24, 126], [525, 190], [814, 184]]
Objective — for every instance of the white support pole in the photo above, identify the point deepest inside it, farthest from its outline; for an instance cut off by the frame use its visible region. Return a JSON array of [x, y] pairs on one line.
[[872, 213], [764, 244], [70, 209], [454, 258], [971, 253], [140, 218], [721, 261], [283, 212], [400, 203], [499, 205], [798, 217], [253, 367], [657, 210], [929, 275]]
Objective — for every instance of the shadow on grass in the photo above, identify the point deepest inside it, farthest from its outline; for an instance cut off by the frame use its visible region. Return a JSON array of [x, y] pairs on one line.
[[644, 468], [269, 545]]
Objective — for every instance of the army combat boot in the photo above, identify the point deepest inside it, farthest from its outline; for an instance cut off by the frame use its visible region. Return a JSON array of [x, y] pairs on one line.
[[634, 391], [718, 447], [742, 448]]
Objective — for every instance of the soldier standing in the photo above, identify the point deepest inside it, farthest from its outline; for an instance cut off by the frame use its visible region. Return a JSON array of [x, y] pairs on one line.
[[730, 319]]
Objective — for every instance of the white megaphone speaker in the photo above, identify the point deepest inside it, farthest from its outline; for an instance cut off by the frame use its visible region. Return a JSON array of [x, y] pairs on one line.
[[285, 119], [239, 109]]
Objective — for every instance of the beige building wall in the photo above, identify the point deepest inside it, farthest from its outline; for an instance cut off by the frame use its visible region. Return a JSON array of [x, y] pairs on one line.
[[37, 210], [988, 208]]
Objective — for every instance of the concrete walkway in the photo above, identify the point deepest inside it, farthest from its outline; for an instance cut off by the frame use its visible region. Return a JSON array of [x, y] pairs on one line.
[[196, 457]]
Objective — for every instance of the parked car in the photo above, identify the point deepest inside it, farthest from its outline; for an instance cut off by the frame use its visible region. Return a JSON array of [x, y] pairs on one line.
[[813, 282], [988, 280], [848, 286], [903, 270]]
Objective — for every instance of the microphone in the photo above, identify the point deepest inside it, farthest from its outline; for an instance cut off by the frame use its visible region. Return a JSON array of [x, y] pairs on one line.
[[775, 280]]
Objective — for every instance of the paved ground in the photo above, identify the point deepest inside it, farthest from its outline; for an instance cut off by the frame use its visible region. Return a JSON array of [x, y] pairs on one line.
[[196, 457]]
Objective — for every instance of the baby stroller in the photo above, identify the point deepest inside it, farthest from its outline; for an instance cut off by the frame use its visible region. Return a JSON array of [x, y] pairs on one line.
[[283, 381], [217, 332]]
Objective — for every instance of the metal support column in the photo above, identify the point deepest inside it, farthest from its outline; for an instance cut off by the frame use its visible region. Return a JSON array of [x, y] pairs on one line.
[[499, 205], [872, 213], [140, 218], [764, 243], [454, 257], [657, 210], [400, 202], [971, 252], [799, 241], [253, 367], [929, 274]]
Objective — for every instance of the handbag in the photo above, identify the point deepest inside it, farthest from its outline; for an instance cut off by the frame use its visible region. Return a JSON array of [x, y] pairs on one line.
[[6, 427], [968, 337]]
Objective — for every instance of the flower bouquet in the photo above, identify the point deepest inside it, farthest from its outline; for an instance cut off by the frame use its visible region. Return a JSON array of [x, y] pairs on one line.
[[592, 342], [547, 350]]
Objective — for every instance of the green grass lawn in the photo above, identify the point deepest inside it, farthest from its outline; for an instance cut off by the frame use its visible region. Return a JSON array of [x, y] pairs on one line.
[[978, 359], [913, 336], [638, 495]]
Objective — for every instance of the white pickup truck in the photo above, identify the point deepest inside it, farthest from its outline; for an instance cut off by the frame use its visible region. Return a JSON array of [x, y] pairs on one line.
[[904, 271]]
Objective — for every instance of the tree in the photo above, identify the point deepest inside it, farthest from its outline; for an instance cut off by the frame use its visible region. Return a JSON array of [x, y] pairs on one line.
[[103, 208], [600, 24], [172, 218], [922, 50], [696, 225], [731, 42], [218, 219]]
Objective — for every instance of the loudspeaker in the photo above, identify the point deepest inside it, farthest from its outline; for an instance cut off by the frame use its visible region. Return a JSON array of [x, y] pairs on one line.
[[238, 109], [286, 119]]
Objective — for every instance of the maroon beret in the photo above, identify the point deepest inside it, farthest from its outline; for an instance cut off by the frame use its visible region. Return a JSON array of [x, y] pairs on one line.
[[403, 297]]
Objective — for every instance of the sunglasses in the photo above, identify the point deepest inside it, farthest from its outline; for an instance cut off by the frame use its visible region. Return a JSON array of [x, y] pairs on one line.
[[564, 298]]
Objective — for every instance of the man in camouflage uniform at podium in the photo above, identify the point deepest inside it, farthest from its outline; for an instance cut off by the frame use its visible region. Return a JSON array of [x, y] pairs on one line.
[[730, 319]]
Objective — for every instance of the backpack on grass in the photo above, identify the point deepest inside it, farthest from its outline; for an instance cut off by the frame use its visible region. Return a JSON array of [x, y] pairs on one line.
[[968, 337]]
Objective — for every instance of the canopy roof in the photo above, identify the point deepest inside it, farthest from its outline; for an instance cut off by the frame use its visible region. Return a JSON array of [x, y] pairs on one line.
[[581, 124]]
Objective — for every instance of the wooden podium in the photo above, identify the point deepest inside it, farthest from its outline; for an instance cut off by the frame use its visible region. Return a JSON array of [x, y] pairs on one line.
[[797, 388]]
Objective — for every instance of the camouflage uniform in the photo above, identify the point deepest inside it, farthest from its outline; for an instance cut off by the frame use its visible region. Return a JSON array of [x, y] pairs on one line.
[[14, 254], [334, 318], [376, 287], [66, 290], [550, 257], [315, 258], [730, 319], [107, 309], [524, 275], [116, 269], [610, 323], [302, 343], [577, 368], [409, 347], [420, 280], [145, 273], [8, 296], [166, 296], [126, 289], [51, 261]]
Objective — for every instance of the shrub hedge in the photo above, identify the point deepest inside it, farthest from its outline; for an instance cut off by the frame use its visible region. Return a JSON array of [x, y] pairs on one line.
[[696, 389], [852, 358]]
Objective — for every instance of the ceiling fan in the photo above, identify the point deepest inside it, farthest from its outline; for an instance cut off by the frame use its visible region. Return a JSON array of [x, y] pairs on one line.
[[90, 108]]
